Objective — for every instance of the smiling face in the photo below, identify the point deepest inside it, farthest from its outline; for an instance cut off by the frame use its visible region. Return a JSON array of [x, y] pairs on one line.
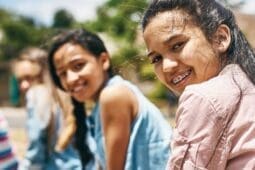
[[81, 73], [179, 51]]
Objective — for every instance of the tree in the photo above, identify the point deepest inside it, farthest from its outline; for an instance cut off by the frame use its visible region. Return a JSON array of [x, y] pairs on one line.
[[63, 19], [120, 20], [18, 32]]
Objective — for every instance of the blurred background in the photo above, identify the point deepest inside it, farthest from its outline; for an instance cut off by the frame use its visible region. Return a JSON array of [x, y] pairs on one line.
[[32, 23]]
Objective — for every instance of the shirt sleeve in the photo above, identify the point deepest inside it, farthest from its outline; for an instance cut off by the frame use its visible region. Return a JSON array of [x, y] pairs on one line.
[[41, 103], [198, 130], [38, 118]]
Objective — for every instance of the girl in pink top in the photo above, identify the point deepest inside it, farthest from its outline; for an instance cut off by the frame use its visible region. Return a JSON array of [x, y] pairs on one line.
[[199, 53]]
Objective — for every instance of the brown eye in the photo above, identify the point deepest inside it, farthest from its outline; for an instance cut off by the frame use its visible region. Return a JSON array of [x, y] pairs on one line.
[[78, 66], [156, 59], [178, 46]]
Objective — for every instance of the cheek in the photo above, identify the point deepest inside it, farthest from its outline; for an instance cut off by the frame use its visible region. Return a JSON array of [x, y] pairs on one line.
[[64, 84], [157, 70], [159, 73], [198, 57], [189, 54]]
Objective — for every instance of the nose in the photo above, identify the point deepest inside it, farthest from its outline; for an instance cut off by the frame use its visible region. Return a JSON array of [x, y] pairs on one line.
[[169, 64], [71, 77], [24, 85]]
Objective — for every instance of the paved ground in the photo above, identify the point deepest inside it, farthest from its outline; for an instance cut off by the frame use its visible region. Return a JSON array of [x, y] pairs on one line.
[[16, 119]]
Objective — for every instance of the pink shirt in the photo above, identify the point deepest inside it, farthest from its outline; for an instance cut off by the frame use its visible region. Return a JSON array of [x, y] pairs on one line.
[[215, 124]]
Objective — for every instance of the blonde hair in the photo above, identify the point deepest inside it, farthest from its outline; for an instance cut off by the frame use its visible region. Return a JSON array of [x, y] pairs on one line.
[[39, 56], [69, 126]]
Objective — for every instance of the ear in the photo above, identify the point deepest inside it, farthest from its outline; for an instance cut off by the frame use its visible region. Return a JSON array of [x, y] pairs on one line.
[[222, 38], [105, 60]]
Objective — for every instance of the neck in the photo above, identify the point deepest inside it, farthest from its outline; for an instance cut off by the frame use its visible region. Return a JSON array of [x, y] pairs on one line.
[[96, 96]]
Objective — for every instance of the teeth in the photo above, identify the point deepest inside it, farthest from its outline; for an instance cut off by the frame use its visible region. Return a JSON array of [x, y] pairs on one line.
[[181, 77], [76, 89]]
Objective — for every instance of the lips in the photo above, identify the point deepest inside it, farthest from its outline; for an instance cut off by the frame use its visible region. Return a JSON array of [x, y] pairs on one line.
[[177, 79], [78, 87]]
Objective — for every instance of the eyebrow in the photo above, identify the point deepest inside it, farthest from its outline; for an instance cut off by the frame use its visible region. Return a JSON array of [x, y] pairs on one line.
[[75, 56], [171, 38], [166, 41]]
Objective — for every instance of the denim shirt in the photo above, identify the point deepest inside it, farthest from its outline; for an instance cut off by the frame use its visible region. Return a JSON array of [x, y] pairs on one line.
[[40, 153], [149, 144]]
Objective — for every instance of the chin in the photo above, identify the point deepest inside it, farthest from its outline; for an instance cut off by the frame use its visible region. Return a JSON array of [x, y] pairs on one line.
[[78, 98]]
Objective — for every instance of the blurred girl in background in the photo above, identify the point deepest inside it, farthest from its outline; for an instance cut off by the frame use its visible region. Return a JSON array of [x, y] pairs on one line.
[[44, 116]]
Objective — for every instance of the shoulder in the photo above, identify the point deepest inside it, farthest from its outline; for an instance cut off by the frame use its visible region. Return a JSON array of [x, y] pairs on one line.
[[118, 108], [214, 99], [117, 94], [39, 89], [40, 99], [118, 102], [210, 105], [39, 92], [222, 93]]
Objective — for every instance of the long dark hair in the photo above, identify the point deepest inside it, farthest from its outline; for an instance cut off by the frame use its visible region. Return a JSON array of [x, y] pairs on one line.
[[209, 15], [80, 134]]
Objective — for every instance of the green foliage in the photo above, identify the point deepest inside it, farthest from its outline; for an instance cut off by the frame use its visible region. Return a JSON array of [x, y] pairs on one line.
[[15, 35], [4, 16], [147, 73], [125, 56], [120, 20], [63, 19], [18, 32], [159, 92]]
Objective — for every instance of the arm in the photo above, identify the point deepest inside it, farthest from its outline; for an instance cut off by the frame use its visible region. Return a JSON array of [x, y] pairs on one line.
[[118, 107], [199, 128]]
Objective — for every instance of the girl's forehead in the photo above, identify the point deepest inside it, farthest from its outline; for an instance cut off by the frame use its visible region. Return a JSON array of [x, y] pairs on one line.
[[169, 20], [166, 25], [26, 68], [69, 53], [67, 50]]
